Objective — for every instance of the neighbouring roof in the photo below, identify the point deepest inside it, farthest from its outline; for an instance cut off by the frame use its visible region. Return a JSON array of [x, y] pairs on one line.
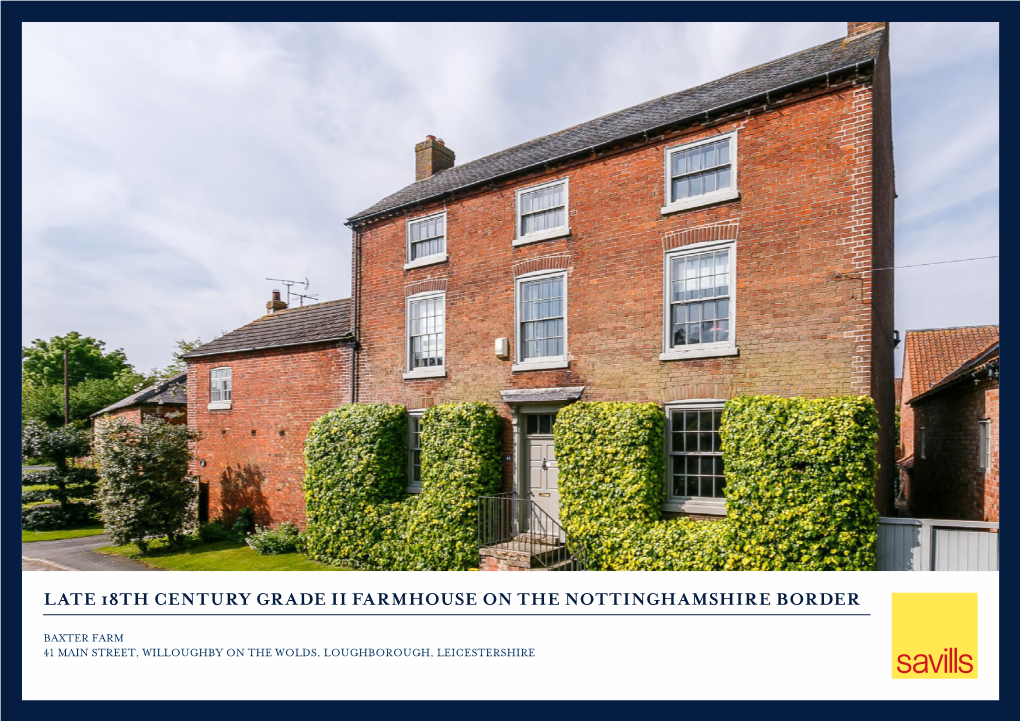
[[987, 358], [839, 55], [543, 395], [318, 323], [936, 352], [173, 391]]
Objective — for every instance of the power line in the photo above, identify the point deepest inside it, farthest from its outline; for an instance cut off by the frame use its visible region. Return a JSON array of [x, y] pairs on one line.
[[936, 262]]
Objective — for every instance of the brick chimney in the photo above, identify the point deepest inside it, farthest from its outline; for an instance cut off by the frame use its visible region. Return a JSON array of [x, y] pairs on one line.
[[854, 30], [430, 157], [275, 304]]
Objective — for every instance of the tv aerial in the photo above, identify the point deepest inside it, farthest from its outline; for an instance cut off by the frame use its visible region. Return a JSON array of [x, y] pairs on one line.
[[290, 284]]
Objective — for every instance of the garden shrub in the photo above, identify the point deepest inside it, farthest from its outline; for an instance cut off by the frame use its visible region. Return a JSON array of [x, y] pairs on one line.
[[244, 523], [213, 531], [144, 485], [358, 509], [67, 482], [799, 486], [54, 517], [270, 542]]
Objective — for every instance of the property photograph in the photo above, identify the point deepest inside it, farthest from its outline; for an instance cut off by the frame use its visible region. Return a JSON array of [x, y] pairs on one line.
[[444, 297]]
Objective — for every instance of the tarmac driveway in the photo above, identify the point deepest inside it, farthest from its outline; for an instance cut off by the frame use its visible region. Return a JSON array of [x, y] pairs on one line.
[[75, 554]]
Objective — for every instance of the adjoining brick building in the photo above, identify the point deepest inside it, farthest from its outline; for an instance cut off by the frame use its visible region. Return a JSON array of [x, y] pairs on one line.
[[715, 242], [953, 469], [253, 394], [168, 399]]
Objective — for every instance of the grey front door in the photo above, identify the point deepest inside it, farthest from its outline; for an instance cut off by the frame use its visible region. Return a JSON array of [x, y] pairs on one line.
[[540, 462]]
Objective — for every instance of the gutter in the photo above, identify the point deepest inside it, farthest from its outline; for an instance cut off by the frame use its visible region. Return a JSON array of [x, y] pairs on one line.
[[856, 67], [189, 356]]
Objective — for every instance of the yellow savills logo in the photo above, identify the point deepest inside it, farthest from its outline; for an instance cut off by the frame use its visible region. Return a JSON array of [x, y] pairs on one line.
[[934, 635]]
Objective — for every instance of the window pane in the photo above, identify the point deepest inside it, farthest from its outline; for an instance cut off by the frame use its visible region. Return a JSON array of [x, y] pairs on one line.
[[681, 188], [696, 185], [723, 151]]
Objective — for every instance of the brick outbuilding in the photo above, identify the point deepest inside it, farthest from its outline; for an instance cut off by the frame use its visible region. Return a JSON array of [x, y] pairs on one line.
[[724, 240], [253, 394], [955, 468], [167, 399]]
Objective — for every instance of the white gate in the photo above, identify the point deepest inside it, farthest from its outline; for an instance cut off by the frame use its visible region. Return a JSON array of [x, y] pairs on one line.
[[926, 544]]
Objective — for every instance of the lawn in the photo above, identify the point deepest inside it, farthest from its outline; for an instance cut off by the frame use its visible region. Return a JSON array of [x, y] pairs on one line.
[[29, 536], [219, 556]]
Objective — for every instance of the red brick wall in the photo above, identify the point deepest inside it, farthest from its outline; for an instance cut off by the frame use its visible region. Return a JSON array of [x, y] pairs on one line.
[[806, 313], [948, 482], [254, 452]]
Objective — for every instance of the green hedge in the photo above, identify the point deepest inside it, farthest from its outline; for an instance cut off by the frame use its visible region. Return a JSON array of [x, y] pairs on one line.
[[358, 509], [799, 485]]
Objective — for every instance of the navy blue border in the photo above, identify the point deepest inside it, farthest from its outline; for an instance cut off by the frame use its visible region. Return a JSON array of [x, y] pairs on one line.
[[744, 660]]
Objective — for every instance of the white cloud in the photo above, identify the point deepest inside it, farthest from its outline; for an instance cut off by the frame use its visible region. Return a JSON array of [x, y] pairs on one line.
[[170, 167]]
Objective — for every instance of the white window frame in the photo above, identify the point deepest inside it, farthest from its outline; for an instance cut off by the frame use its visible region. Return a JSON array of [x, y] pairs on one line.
[[716, 196], [549, 362], [430, 371], [221, 404], [985, 445], [412, 487], [688, 504], [544, 234], [700, 350], [428, 259]]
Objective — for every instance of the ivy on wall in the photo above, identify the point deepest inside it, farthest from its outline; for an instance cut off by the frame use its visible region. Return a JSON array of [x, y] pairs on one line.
[[800, 484], [358, 509]]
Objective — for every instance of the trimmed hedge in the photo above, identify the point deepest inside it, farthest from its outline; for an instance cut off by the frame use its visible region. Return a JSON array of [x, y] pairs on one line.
[[358, 509], [799, 487]]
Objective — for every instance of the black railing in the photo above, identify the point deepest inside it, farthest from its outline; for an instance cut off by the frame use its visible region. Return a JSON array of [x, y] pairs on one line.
[[510, 522]]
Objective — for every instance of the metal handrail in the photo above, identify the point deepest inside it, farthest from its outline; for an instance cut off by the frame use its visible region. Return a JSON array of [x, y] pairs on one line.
[[515, 523]]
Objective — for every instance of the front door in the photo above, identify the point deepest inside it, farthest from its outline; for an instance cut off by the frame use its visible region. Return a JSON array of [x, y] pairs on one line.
[[540, 462]]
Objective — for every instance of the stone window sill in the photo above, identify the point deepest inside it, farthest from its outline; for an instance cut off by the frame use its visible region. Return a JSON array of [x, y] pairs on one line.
[[540, 365], [701, 201], [700, 506], [544, 235], [427, 260], [715, 351], [219, 406], [425, 373]]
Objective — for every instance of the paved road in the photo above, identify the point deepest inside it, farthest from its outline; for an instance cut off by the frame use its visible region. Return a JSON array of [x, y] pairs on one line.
[[75, 554]]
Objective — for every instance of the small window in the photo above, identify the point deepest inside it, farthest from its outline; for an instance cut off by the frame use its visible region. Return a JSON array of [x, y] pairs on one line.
[[219, 387], [924, 444], [985, 444], [425, 335], [700, 173], [542, 321], [414, 451], [426, 239], [700, 302], [540, 424], [695, 481], [542, 212]]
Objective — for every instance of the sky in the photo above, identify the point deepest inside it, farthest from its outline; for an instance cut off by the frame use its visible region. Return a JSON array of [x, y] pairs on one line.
[[168, 169]]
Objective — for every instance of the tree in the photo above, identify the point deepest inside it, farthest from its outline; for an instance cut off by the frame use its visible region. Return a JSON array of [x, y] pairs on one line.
[[144, 487], [45, 403], [60, 446], [42, 363], [178, 364]]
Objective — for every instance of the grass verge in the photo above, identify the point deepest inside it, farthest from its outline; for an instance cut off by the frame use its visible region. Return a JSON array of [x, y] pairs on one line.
[[219, 556], [30, 536]]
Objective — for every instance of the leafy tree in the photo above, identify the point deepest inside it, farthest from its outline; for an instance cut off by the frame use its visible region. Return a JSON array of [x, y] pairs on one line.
[[60, 446], [144, 487], [178, 364], [45, 403], [42, 363]]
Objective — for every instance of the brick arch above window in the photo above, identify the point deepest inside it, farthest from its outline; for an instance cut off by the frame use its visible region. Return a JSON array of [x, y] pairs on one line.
[[727, 230], [425, 286], [546, 262]]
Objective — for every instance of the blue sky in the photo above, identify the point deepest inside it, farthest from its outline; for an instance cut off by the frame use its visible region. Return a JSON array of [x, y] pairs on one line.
[[169, 168]]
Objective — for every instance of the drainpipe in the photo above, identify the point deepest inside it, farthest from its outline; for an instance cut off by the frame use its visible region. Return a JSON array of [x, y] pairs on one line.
[[355, 296]]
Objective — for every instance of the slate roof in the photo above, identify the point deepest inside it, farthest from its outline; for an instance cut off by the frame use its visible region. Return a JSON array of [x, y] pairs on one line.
[[936, 352], [542, 395], [986, 358], [732, 90], [173, 391], [318, 323]]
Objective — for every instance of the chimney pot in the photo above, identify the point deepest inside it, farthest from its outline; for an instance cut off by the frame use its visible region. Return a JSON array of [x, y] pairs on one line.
[[430, 157], [275, 304]]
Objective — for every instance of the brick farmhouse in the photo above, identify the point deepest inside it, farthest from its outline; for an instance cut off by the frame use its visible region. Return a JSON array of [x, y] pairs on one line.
[[949, 423], [253, 394], [719, 241]]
